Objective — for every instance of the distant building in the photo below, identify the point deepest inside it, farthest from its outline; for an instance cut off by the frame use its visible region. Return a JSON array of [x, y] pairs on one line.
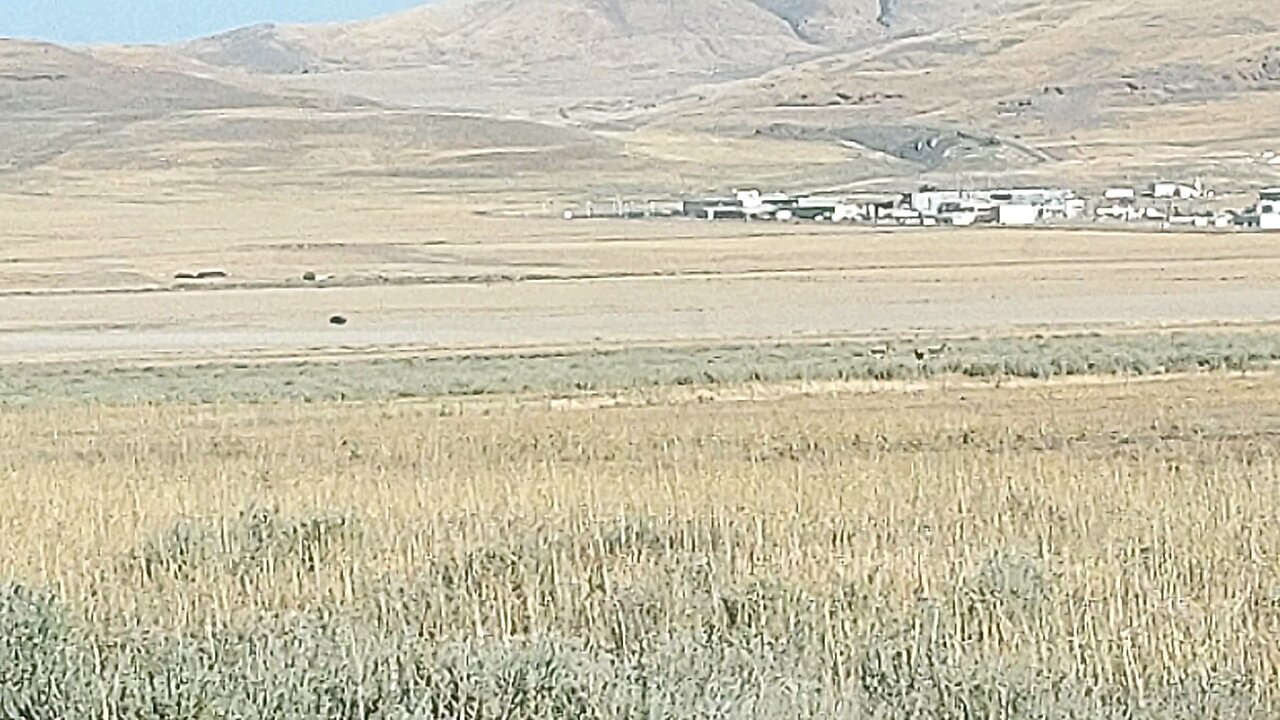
[[1049, 201], [959, 217], [749, 204], [1200, 220], [749, 199], [1268, 209], [1069, 210], [726, 212], [1124, 212], [702, 208], [1036, 197], [1017, 215], [1177, 191], [931, 201]]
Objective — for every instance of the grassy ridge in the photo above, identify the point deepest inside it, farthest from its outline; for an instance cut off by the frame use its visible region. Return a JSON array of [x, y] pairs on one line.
[[1136, 355]]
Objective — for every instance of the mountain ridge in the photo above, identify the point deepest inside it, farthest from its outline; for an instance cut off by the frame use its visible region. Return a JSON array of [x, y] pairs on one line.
[[1044, 91], [729, 35], [506, 33]]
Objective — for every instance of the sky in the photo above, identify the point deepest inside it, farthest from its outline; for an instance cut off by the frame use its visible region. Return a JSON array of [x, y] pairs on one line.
[[156, 21]]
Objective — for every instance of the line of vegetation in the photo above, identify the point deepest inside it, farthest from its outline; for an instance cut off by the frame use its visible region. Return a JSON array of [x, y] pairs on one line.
[[496, 632], [623, 369]]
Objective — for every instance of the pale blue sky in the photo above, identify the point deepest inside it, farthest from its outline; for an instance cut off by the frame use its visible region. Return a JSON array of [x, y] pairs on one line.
[[143, 21]]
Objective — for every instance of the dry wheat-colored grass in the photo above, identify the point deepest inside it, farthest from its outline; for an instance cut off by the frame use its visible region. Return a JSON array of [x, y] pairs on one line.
[[1056, 551]]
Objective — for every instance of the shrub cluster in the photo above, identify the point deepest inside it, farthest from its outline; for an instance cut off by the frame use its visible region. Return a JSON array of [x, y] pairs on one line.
[[679, 644], [1136, 355]]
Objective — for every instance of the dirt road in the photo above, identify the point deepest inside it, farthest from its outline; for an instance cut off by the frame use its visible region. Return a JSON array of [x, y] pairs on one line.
[[583, 312]]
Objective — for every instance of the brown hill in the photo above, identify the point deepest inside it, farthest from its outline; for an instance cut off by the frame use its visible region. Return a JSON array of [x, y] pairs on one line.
[[39, 77], [862, 88], [52, 99], [65, 113], [1130, 87], [655, 34], [839, 24], [593, 57], [730, 36]]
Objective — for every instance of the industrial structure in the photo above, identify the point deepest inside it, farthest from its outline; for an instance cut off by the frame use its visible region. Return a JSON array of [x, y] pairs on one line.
[[1266, 214], [1166, 204]]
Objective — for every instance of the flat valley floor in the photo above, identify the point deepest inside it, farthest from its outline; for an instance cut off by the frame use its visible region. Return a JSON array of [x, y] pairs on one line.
[[91, 276]]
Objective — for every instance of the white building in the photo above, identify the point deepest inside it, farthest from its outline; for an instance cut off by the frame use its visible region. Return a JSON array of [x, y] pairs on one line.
[[1069, 210], [1177, 191], [749, 198], [930, 202], [755, 204], [1017, 215], [1268, 209], [1119, 195], [1053, 201]]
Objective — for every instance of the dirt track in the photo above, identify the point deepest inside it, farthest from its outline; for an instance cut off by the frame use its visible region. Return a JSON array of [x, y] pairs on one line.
[[577, 313], [86, 283]]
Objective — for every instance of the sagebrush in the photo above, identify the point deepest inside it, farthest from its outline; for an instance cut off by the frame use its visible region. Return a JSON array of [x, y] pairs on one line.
[[1074, 551]]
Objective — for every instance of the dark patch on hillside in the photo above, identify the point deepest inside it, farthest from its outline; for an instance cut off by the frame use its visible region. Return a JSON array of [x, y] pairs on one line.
[[34, 77], [795, 13], [888, 10]]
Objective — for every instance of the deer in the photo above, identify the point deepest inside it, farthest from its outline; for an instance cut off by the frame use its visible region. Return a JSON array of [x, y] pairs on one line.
[[880, 352], [924, 354]]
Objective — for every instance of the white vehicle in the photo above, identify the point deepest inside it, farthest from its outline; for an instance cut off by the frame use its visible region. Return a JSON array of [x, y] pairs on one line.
[[1123, 213]]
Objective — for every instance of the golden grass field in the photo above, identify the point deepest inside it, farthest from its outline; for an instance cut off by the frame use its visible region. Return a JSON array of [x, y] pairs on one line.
[[1091, 549]]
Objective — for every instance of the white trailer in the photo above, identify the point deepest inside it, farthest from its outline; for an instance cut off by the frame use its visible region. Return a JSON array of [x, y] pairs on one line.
[[1017, 215]]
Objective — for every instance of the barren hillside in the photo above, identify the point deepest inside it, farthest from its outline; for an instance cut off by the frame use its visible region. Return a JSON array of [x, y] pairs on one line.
[[499, 33], [821, 91], [729, 36], [53, 99], [1129, 87], [65, 113], [40, 78]]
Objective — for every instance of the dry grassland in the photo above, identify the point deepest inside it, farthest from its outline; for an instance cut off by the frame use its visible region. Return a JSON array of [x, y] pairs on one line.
[[1099, 550]]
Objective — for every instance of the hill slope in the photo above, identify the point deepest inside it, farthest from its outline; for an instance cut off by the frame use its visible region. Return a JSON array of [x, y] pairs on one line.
[[52, 99], [504, 33], [731, 36], [829, 89], [1129, 87], [40, 77]]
